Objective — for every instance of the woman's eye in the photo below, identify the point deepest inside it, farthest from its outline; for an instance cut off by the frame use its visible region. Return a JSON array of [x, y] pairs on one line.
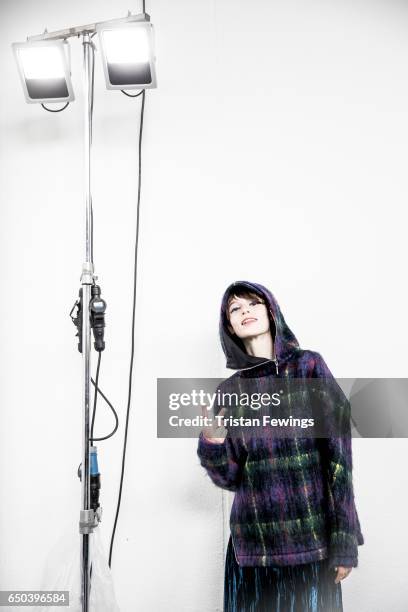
[[252, 302]]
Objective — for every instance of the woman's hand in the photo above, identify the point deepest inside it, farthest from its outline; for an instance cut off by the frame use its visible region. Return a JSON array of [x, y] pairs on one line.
[[214, 433], [342, 572]]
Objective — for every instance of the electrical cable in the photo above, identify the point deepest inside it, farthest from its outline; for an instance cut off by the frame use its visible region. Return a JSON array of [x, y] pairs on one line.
[[111, 407], [58, 110], [92, 439], [133, 329], [130, 95]]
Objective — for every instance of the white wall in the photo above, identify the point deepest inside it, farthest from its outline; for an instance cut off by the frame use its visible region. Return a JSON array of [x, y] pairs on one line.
[[275, 150]]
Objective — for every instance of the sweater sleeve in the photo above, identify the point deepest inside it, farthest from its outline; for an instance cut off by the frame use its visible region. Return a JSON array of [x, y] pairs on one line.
[[224, 461], [346, 533]]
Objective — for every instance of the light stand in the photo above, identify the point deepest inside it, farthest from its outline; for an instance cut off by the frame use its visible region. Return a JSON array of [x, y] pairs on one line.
[[88, 518], [125, 70]]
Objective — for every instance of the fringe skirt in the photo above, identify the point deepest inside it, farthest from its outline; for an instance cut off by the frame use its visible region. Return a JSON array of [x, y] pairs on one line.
[[308, 587]]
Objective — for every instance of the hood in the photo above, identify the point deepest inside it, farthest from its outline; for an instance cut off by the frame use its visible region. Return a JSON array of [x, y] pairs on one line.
[[284, 339]]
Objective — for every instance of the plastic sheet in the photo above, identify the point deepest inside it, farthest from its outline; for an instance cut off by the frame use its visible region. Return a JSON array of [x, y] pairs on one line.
[[62, 573]]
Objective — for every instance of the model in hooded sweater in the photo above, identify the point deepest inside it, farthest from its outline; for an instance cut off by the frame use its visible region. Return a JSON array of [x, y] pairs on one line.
[[294, 525]]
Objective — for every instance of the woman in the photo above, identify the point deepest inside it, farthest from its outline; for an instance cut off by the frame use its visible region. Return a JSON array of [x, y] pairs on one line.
[[294, 525]]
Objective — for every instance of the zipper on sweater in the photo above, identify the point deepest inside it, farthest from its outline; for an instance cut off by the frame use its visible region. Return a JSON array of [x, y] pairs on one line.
[[255, 366], [275, 361], [232, 540]]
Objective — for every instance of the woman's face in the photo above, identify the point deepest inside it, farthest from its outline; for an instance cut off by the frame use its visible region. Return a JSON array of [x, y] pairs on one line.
[[248, 316]]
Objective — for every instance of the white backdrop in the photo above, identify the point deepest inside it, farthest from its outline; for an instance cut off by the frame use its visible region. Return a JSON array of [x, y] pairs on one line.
[[274, 150]]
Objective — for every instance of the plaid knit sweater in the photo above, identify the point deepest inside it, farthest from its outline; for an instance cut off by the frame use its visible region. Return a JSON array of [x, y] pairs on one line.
[[294, 500]]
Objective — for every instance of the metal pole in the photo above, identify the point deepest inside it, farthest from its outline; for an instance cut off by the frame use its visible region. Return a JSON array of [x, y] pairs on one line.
[[87, 517]]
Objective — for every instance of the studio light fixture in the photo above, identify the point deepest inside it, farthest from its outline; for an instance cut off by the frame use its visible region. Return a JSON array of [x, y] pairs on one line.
[[127, 50], [128, 54], [44, 70]]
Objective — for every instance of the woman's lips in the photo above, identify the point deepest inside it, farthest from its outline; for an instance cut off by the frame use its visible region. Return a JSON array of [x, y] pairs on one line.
[[248, 321]]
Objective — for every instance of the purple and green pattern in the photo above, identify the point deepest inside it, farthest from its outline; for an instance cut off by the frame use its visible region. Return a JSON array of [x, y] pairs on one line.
[[294, 500]]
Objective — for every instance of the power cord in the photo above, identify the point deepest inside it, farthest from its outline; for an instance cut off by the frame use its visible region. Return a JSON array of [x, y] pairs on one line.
[[133, 330], [58, 110], [130, 95], [95, 384]]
